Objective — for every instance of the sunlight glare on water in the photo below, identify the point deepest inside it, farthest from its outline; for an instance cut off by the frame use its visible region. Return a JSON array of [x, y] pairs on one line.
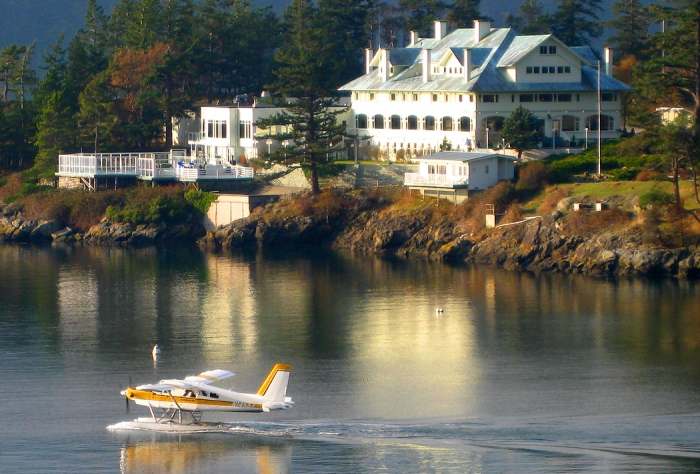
[[518, 373]]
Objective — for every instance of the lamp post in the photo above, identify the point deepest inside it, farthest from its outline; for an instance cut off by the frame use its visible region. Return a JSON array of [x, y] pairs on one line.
[[586, 146], [504, 145], [487, 138], [285, 144]]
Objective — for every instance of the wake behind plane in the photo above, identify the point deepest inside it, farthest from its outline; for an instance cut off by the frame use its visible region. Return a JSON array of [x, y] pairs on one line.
[[182, 402]]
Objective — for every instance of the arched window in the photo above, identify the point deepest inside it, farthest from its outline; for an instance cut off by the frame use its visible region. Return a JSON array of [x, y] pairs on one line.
[[465, 124], [569, 123], [412, 122], [493, 123], [379, 121], [447, 124], [395, 122], [430, 122], [606, 122], [361, 121]]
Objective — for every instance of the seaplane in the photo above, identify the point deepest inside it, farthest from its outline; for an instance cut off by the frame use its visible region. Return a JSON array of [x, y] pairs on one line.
[[182, 402]]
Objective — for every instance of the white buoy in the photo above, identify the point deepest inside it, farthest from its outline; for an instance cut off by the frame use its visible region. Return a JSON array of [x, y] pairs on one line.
[[438, 310], [156, 351]]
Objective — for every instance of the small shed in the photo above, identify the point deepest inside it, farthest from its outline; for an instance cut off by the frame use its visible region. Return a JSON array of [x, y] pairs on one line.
[[454, 174]]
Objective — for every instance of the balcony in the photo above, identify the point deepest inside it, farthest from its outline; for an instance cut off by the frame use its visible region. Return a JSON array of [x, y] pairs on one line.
[[435, 180]]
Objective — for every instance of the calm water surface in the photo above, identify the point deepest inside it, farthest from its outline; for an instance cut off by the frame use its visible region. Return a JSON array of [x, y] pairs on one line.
[[520, 373]]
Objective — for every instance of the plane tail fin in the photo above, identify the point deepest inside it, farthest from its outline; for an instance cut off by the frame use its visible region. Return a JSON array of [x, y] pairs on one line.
[[274, 388]]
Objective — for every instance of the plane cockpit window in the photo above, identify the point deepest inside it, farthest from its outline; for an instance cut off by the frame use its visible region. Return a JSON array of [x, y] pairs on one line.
[[204, 393], [213, 395]]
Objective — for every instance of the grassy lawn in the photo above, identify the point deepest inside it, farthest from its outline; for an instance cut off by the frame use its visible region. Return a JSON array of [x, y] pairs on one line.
[[610, 188]]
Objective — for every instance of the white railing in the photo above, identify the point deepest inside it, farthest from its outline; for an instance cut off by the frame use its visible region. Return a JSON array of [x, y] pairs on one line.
[[213, 172], [99, 164], [437, 180], [147, 166], [155, 168]]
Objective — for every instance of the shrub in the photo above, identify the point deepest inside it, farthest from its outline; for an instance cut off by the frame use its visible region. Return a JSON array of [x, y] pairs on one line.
[[647, 175], [200, 200], [533, 176], [655, 198], [13, 185], [588, 223], [551, 200], [514, 213], [624, 174]]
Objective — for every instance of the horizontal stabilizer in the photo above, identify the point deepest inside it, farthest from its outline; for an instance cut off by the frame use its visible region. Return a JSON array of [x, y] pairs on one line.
[[269, 406]]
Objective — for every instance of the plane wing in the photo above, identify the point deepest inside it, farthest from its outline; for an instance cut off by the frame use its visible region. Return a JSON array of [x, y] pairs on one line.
[[210, 376], [163, 386], [205, 378]]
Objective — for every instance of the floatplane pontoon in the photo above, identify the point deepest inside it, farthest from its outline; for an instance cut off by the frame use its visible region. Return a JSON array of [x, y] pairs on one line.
[[182, 402]]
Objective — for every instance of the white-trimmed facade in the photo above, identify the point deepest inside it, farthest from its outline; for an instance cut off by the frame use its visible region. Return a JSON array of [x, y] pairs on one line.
[[454, 87], [228, 132]]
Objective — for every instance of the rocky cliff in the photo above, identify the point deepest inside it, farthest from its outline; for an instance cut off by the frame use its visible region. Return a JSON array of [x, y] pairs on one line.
[[373, 226], [548, 243], [14, 227]]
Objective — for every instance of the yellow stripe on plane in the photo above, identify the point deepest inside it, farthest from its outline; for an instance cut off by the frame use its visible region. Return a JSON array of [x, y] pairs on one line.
[[148, 395], [266, 384]]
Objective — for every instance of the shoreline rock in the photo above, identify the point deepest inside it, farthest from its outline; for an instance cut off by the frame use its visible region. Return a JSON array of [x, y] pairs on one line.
[[372, 227]]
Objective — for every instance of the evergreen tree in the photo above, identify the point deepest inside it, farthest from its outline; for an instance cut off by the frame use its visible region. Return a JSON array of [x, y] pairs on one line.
[[521, 130], [576, 22], [531, 20], [306, 63], [235, 50], [344, 24], [462, 13], [16, 73], [672, 74], [56, 127], [631, 21], [97, 113], [419, 15]]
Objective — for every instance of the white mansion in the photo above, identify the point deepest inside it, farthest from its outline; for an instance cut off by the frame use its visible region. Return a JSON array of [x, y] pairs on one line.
[[460, 87]]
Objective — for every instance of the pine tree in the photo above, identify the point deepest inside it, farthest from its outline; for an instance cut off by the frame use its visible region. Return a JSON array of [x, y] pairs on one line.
[[631, 21], [462, 13], [305, 73], [97, 113], [345, 26], [576, 22], [419, 15], [521, 130], [530, 20]]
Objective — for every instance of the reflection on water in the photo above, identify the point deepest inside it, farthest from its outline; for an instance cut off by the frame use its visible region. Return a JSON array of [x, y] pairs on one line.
[[514, 359], [185, 454]]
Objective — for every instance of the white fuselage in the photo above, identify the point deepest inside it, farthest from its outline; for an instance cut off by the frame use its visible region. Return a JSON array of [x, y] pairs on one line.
[[204, 398]]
